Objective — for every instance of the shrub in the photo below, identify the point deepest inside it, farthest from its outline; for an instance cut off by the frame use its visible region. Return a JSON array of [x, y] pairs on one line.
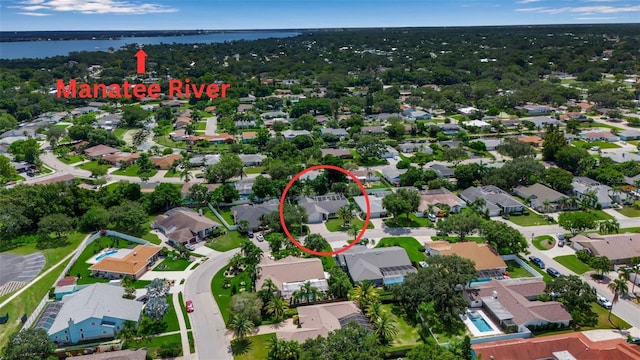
[[421, 249]]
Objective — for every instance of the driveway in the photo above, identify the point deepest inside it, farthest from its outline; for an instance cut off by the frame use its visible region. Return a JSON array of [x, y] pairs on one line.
[[212, 125]]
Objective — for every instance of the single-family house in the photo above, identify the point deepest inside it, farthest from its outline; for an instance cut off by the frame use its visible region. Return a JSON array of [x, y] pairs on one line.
[[512, 305], [372, 130], [322, 319], [244, 124], [165, 162], [364, 176], [435, 198], [121, 158], [533, 109], [389, 153], [248, 136], [375, 204], [467, 110], [184, 226], [252, 159], [448, 129], [182, 122], [490, 144], [477, 123], [541, 121], [95, 312], [599, 136], [127, 262], [66, 285], [187, 187], [541, 198], [274, 114], [244, 186], [339, 153], [409, 148], [108, 122], [584, 185], [628, 135], [417, 115], [321, 208], [252, 213], [533, 140], [205, 160], [99, 151], [442, 171], [222, 138], [392, 174], [290, 134], [290, 274], [340, 132], [382, 266], [178, 135], [242, 108], [619, 248], [497, 201], [487, 261], [172, 103]]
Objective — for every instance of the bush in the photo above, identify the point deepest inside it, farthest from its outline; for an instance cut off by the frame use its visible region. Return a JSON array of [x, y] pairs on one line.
[[169, 350], [421, 249], [583, 256], [506, 216], [403, 164]]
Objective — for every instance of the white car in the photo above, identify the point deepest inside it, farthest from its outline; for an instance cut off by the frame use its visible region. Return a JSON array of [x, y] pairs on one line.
[[260, 237], [604, 302]]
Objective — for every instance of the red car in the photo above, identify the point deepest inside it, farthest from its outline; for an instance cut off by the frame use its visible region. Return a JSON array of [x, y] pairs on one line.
[[189, 305]]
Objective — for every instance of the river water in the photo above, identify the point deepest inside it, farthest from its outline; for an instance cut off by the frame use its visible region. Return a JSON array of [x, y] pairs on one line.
[[44, 48]]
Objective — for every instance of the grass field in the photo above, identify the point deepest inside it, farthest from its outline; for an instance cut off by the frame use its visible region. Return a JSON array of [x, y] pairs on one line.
[[254, 169], [226, 214], [529, 218], [631, 211], [171, 318], [543, 242], [26, 303], [600, 144], [455, 239], [153, 345], [165, 141], [226, 242], [132, 170], [91, 165], [53, 255], [183, 308], [201, 125], [597, 214], [71, 159], [222, 294], [172, 173], [252, 348], [516, 271], [119, 132], [81, 267], [572, 263], [170, 264], [410, 245], [334, 225], [413, 221], [407, 334]]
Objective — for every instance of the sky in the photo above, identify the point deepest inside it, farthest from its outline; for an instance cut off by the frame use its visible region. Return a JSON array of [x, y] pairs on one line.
[[32, 15]]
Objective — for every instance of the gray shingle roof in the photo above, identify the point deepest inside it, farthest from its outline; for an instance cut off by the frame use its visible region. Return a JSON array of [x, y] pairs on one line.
[[252, 213], [365, 264]]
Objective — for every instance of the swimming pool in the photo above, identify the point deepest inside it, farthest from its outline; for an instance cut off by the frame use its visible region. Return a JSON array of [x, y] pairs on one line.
[[480, 323], [108, 253]]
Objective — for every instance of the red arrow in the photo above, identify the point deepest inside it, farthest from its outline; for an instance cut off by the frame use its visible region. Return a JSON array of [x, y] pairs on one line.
[[141, 57]]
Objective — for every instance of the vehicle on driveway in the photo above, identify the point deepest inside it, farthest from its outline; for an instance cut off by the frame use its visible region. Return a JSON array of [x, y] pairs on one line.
[[561, 243], [260, 237], [553, 272], [604, 302], [190, 247], [250, 234], [536, 260], [189, 306]]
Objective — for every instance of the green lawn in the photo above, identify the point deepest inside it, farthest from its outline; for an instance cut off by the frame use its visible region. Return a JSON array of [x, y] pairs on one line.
[[133, 170], [407, 334], [172, 173], [81, 267], [52, 255], [91, 165], [165, 141], [183, 308], [631, 211], [630, 230], [572, 263], [71, 159], [226, 214], [254, 169], [201, 125], [516, 271], [529, 218], [603, 319], [192, 342], [226, 242], [222, 294], [171, 318], [600, 144], [413, 221], [410, 245], [546, 277], [62, 126], [119, 132], [153, 345], [543, 242], [152, 238], [252, 348], [26, 303], [171, 264], [141, 284], [334, 225]]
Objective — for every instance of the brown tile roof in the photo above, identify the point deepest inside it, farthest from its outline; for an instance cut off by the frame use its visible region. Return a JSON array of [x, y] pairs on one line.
[[319, 320], [100, 150], [528, 289], [248, 135], [439, 196], [578, 344], [165, 161], [535, 139], [615, 247], [336, 152], [117, 157], [67, 280], [188, 185], [185, 219], [55, 179], [131, 264], [481, 254], [289, 269]]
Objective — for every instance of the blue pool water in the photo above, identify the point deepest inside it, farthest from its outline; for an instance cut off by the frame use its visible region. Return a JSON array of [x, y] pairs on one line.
[[480, 323], [108, 253]]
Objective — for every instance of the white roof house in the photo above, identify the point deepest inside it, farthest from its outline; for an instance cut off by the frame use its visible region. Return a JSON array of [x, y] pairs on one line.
[[477, 123]]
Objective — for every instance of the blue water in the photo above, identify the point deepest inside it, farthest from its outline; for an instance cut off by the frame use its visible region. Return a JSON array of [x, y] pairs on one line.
[[480, 323], [108, 253], [44, 48], [479, 281]]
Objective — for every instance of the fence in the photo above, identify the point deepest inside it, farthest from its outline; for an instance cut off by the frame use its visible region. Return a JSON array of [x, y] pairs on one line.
[[222, 220], [520, 335], [36, 313], [534, 273]]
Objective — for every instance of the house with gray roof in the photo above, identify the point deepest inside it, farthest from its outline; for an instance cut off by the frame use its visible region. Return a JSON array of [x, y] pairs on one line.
[[290, 134], [340, 132], [372, 130], [184, 226], [582, 185], [417, 115], [540, 121], [382, 266], [389, 153], [244, 186], [448, 129], [375, 204], [108, 122], [538, 195], [442, 170], [252, 213], [490, 144], [321, 208], [252, 159], [627, 135], [392, 174], [96, 312], [409, 148], [620, 156], [204, 160], [497, 201]]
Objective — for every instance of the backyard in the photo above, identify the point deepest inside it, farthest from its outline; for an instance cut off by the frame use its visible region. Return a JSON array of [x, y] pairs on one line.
[[411, 246], [171, 263], [93, 165], [543, 242], [253, 347], [223, 294], [516, 271], [407, 334], [154, 343], [413, 221], [334, 225], [81, 268], [71, 159], [226, 242], [572, 263], [253, 169], [529, 218]]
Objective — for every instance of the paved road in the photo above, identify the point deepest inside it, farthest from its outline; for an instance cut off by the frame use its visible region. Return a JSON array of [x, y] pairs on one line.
[[206, 321], [212, 125]]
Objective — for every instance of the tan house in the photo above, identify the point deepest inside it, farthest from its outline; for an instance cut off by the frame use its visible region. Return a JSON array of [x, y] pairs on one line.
[[533, 140], [165, 162], [184, 226], [290, 273], [436, 198], [488, 263], [135, 263], [619, 248], [121, 158], [99, 151]]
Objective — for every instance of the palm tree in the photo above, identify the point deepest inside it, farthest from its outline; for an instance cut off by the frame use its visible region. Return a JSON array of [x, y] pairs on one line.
[[609, 226], [339, 286], [345, 214], [128, 331], [546, 206], [619, 288], [235, 261], [309, 292], [615, 194], [374, 310], [589, 200], [427, 314], [283, 349], [185, 175], [277, 307], [385, 328], [353, 230], [364, 294], [267, 290], [241, 326], [477, 205]]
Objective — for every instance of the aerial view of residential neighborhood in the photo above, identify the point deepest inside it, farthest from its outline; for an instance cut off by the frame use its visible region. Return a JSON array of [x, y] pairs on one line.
[[291, 180]]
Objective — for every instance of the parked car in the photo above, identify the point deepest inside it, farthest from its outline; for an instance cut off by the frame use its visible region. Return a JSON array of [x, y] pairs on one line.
[[560, 236], [260, 237], [634, 340], [604, 302], [250, 234], [553, 272], [561, 243], [536, 260], [189, 306], [190, 247]]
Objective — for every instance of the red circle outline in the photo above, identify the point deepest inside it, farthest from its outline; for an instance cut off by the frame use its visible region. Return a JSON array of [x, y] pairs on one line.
[[281, 210]]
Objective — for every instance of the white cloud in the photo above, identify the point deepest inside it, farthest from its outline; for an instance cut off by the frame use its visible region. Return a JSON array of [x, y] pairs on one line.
[[535, 9], [95, 6], [33, 14], [527, 1], [596, 18], [584, 10]]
